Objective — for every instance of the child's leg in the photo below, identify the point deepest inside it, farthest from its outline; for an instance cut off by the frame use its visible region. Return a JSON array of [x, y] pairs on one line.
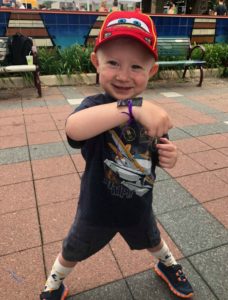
[[147, 236], [162, 253], [82, 241], [60, 269]]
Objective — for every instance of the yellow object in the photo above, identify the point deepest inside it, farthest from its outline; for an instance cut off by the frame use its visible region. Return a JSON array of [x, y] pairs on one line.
[[29, 59], [32, 2]]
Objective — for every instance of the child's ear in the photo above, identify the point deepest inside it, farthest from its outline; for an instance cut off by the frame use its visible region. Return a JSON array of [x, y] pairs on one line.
[[154, 69], [94, 60]]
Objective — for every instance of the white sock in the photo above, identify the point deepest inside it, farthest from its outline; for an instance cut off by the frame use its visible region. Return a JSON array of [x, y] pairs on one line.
[[165, 256], [57, 275]]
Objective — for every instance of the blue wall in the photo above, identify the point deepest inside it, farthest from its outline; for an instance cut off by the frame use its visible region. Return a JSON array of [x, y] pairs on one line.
[[221, 35], [4, 19], [67, 28], [174, 26]]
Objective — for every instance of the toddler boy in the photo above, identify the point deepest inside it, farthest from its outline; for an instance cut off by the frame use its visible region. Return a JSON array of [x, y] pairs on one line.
[[122, 139]]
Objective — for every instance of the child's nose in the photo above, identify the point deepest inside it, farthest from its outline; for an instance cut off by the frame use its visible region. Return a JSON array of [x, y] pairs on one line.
[[123, 74]]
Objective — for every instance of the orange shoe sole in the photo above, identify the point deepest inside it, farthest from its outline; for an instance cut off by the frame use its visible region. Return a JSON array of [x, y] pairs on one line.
[[65, 293], [172, 289]]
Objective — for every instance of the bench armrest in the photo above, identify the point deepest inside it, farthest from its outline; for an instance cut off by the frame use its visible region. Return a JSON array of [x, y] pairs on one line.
[[192, 48]]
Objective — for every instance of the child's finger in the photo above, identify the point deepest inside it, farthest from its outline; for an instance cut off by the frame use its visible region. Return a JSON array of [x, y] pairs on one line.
[[164, 140], [166, 147], [166, 153]]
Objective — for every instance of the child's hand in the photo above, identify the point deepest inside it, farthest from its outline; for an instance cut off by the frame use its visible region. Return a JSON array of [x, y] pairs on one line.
[[153, 118], [167, 153]]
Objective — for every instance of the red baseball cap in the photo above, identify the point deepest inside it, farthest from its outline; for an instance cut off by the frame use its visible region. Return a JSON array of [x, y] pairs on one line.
[[132, 24]]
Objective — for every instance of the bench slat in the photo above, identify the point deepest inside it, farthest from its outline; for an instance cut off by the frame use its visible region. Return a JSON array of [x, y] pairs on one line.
[[18, 68], [173, 46], [182, 63]]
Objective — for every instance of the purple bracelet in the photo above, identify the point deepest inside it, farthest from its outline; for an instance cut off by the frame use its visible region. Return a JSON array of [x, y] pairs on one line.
[[129, 113]]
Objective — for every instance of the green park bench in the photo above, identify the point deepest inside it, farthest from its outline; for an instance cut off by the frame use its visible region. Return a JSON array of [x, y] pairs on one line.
[[179, 51]]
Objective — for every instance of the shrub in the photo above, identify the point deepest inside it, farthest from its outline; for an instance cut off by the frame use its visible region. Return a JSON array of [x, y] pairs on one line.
[[70, 60], [76, 59], [216, 56]]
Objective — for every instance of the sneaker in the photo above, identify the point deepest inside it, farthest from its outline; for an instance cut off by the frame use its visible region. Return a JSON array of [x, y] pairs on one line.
[[175, 278], [59, 294]]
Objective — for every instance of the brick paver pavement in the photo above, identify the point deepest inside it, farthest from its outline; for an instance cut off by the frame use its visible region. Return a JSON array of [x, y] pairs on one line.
[[39, 187]]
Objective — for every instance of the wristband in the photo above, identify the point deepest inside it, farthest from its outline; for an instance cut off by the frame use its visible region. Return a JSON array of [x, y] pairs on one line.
[[130, 103], [135, 102], [129, 113]]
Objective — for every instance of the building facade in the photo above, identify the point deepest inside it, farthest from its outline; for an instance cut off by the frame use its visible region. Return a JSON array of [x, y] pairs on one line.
[[199, 7]]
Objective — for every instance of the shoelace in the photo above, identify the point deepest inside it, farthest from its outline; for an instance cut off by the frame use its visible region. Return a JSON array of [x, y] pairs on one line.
[[179, 273]]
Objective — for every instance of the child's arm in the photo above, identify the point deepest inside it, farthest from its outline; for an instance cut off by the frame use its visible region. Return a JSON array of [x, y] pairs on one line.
[[89, 122], [92, 121], [167, 153]]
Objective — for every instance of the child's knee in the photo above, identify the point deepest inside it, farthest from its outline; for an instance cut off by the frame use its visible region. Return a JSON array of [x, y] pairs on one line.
[[77, 252]]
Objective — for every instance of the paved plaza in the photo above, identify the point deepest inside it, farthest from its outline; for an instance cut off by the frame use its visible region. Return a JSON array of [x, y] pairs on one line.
[[40, 181]]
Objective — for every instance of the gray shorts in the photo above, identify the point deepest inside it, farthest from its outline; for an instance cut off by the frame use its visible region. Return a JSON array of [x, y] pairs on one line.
[[84, 240]]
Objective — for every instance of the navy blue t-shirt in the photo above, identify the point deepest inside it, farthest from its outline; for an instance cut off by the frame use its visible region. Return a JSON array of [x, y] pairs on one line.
[[117, 185]]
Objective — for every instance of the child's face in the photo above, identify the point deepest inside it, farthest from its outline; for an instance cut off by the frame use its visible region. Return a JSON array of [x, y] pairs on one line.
[[124, 67]]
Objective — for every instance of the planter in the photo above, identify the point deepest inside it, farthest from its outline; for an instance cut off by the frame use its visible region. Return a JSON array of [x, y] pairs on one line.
[[49, 80], [89, 79]]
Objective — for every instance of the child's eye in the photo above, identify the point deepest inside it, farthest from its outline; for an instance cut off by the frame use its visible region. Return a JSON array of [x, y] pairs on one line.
[[136, 67], [112, 63]]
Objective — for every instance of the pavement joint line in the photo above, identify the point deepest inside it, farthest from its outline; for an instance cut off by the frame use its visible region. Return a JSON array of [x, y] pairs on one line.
[[202, 278], [199, 204], [181, 208], [121, 271], [36, 200], [204, 250]]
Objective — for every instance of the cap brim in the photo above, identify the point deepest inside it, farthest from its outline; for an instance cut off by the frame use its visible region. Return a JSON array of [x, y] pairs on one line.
[[133, 36]]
